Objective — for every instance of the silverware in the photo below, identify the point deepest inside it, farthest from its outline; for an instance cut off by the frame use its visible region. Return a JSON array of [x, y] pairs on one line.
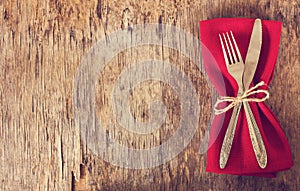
[[250, 68], [235, 67], [243, 74]]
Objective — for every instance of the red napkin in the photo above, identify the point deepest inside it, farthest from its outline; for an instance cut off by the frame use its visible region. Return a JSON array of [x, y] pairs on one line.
[[242, 159]]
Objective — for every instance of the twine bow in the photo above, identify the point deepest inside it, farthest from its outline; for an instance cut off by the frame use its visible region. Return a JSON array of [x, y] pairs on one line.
[[244, 98]]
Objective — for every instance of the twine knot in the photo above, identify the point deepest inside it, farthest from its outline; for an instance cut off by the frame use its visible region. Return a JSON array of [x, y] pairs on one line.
[[243, 98]]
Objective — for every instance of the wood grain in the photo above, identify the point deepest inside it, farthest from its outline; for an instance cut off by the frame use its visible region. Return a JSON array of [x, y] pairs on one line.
[[41, 46]]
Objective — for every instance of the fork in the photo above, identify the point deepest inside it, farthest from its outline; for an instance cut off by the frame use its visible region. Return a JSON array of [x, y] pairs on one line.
[[235, 67]]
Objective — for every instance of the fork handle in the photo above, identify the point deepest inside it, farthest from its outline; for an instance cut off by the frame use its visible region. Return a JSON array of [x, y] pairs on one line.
[[255, 136], [228, 139]]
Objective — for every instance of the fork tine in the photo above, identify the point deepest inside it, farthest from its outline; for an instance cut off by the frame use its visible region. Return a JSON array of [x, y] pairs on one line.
[[236, 47], [232, 49], [228, 50], [224, 51]]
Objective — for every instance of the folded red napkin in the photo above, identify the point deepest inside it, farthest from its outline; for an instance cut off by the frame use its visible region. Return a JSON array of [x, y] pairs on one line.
[[242, 159]]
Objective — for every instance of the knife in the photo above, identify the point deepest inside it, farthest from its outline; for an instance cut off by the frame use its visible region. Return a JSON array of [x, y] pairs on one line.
[[249, 71]]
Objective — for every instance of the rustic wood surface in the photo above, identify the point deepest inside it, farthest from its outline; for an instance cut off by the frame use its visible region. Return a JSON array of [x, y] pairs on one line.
[[41, 46]]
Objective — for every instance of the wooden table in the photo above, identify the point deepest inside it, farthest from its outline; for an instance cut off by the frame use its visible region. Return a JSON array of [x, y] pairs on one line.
[[41, 47]]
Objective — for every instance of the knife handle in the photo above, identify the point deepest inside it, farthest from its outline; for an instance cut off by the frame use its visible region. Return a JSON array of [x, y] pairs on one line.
[[256, 139], [228, 139]]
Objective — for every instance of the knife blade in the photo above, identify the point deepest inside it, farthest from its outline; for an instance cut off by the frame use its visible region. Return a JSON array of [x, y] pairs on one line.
[[251, 62], [253, 53]]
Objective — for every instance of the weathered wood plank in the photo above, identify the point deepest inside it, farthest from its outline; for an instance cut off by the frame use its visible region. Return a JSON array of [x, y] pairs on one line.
[[41, 46]]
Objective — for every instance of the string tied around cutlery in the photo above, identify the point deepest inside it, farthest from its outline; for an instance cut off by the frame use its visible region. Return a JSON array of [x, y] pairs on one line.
[[243, 98]]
